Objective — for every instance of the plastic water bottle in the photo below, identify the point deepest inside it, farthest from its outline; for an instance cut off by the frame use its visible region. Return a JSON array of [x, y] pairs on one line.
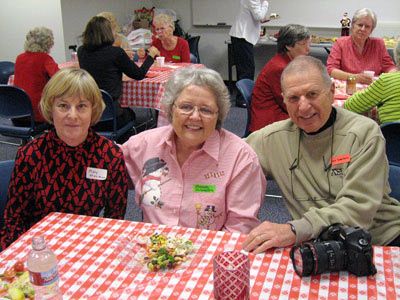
[[43, 270]]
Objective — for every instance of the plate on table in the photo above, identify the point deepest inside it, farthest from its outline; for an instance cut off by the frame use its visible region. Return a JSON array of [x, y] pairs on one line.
[[157, 253]]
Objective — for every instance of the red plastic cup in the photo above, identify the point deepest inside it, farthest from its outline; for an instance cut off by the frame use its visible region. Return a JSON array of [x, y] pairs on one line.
[[231, 276]]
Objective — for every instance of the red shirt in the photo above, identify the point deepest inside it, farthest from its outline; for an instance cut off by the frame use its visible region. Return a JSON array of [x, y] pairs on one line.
[[345, 56], [181, 53], [267, 104], [32, 72]]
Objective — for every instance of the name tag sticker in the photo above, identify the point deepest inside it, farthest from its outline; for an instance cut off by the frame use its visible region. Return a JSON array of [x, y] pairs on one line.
[[95, 173], [203, 188], [341, 159], [176, 57]]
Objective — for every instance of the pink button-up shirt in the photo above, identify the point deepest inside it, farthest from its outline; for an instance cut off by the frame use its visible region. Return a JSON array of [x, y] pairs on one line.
[[345, 56], [219, 187]]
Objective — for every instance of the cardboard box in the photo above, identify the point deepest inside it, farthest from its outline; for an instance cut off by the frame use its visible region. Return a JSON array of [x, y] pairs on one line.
[[141, 24]]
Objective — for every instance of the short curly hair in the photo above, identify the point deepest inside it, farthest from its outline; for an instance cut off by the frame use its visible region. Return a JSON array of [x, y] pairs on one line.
[[72, 82], [39, 39], [202, 77], [166, 19]]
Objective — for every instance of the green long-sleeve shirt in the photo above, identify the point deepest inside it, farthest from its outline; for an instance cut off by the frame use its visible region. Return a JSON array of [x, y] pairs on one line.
[[384, 93]]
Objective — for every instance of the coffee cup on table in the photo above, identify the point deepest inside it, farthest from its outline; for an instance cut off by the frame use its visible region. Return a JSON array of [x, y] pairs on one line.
[[369, 73], [160, 61]]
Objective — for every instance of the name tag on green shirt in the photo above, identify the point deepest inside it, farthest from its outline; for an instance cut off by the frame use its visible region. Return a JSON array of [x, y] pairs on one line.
[[176, 57], [203, 188]]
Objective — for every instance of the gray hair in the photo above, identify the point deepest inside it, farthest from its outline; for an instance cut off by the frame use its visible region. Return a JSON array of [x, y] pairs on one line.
[[365, 12], [164, 18], [289, 35], [396, 53], [302, 64], [200, 77], [39, 39]]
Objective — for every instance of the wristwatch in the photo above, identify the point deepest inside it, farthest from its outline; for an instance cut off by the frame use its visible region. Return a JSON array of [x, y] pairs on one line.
[[292, 228]]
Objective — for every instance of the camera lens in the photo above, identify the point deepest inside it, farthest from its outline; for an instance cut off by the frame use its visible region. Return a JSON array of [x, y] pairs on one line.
[[318, 257], [303, 259]]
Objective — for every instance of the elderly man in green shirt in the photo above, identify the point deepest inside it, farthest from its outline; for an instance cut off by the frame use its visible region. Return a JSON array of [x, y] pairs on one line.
[[329, 163]]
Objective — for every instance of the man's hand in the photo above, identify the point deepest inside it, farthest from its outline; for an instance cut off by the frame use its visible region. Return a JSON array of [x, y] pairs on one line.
[[268, 235]]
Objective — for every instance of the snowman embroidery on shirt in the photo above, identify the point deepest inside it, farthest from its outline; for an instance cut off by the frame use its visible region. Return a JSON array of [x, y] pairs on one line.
[[153, 171], [208, 218]]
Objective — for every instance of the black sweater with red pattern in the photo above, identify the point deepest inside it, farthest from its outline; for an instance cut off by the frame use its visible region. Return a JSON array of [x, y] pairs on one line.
[[51, 176]]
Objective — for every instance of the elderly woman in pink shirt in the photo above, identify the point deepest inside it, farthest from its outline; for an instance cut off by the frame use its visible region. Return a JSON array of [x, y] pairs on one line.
[[192, 172], [352, 55]]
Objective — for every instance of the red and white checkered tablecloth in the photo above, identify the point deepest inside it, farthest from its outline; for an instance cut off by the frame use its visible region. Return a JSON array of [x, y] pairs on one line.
[[149, 91], [341, 96], [89, 269]]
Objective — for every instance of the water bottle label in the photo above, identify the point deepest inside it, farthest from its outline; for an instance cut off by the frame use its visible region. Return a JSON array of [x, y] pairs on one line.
[[44, 278]]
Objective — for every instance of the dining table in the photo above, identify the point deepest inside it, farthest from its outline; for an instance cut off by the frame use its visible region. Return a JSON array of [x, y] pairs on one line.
[[95, 263], [341, 97], [147, 92]]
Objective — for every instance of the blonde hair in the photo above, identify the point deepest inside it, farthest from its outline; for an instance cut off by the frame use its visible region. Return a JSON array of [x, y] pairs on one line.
[[113, 20], [39, 39], [72, 82], [163, 18]]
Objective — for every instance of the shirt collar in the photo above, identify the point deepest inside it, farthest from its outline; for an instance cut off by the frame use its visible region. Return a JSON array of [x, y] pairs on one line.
[[211, 145], [53, 137]]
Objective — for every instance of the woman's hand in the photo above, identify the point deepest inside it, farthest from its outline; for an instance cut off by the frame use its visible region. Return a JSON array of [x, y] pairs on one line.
[[364, 78], [268, 235], [153, 51]]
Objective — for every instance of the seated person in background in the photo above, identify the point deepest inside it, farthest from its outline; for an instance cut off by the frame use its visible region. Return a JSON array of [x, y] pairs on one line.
[[267, 104], [383, 93], [70, 169], [106, 63], [329, 163], [193, 173], [354, 54], [173, 48], [33, 69], [119, 38]]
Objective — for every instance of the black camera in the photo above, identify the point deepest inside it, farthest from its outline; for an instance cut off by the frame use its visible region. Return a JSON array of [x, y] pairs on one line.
[[337, 248]]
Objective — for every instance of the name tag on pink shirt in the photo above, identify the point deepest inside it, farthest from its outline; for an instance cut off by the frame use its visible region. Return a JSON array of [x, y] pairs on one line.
[[95, 173], [203, 188]]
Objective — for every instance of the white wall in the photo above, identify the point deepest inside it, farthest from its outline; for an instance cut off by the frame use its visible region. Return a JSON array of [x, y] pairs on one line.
[[17, 17], [68, 18], [76, 14]]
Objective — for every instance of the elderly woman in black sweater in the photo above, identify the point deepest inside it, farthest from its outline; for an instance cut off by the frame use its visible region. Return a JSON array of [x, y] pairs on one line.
[[106, 63]]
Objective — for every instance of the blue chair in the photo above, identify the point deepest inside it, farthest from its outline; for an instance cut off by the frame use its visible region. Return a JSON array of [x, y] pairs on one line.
[[391, 132], [6, 70], [245, 87], [193, 59], [110, 114], [6, 168], [15, 103], [394, 181]]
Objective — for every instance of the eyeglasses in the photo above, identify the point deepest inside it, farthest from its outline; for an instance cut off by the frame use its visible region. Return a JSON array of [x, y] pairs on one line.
[[187, 109], [159, 29], [361, 25]]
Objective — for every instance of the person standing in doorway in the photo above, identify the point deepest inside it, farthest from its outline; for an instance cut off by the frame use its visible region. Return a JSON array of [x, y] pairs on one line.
[[245, 33]]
